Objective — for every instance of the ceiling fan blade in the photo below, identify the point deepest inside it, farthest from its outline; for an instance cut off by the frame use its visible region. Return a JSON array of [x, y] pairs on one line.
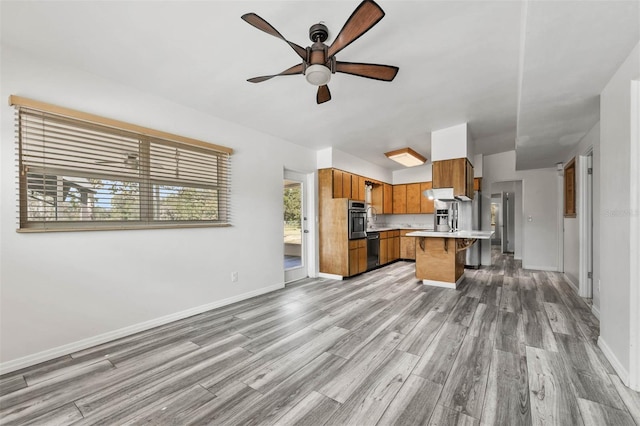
[[323, 95], [366, 15], [263, 25], [296, 69], [375, 71]]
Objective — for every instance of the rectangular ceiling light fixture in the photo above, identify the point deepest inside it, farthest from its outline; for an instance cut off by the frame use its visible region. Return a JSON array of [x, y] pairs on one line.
[[406, 156]]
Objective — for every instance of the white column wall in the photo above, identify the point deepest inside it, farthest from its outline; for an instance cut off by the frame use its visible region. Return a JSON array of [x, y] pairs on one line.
[[615, 214]]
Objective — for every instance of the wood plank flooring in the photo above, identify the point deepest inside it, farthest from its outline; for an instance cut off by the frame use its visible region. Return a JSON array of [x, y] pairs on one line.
[[509, 347]]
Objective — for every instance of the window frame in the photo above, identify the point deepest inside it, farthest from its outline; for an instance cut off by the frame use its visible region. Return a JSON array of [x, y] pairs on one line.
[[146, 198]]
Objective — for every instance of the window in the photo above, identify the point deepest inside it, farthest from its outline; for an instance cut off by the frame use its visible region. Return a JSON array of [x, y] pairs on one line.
[[78, 171]]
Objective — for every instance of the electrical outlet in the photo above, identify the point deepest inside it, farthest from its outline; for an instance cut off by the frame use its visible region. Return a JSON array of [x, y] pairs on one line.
[[598, 286], [234, 277]]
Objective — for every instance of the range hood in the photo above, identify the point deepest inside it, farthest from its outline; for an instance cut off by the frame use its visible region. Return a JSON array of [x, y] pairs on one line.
[[444, 194]]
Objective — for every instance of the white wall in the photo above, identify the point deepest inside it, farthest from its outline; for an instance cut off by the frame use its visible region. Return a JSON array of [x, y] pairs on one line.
[[451, 142], [412, 174], [64, 290], [539, 201], [616, 187], [351, 163]]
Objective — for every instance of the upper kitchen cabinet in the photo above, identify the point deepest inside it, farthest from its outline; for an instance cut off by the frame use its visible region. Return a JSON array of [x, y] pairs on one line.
[[413, 198], [387, 198], [426, 205], [361, 188], [399, 199], [382, 198], [347, 185], [456, 173]]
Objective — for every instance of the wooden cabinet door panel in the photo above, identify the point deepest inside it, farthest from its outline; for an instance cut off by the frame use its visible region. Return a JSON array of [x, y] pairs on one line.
[[377, 196], [396, 248], [413, 198], [426, 205], [362, 259], [399, 199], [383, 256], [387, 198], [361, 188], [353, 262], [346, 185], [408, 248], [337, 183]]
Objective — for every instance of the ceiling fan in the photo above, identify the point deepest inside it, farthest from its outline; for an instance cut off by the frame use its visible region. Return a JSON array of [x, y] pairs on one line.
[[319, 60]]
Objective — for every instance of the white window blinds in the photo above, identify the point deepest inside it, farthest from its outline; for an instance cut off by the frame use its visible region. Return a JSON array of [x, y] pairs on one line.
[[79, 173]]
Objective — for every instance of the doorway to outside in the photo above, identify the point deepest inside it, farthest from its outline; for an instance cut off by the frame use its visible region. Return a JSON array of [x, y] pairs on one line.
[[295, 230]]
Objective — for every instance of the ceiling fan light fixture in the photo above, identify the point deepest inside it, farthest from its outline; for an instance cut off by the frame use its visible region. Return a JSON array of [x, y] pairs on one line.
[[318, 75], [406, 156]]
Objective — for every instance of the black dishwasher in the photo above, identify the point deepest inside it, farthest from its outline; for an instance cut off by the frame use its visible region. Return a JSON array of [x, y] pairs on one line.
[[373, 250]]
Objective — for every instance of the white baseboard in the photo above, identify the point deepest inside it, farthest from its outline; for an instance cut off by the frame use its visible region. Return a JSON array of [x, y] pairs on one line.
[[541, 268], [330, 276], [615, 363], [595, 311], [67, 349], [572, 283], [517, 257]]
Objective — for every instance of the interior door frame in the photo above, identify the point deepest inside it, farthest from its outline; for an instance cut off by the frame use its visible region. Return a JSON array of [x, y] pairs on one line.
[[585, 224], [294, 274], [634, 236]]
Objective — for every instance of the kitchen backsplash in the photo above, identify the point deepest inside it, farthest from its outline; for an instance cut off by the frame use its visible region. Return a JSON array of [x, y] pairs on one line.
[[422, 221]]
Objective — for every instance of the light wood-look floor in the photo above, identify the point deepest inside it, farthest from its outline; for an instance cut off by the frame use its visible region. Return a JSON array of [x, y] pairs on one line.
[[509, 347]]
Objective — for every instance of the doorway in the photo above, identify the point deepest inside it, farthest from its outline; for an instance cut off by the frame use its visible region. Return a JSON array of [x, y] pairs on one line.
[[294, 226]]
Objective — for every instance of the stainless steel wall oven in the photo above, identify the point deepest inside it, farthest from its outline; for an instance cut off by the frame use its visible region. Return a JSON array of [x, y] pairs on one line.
[[357, 220]]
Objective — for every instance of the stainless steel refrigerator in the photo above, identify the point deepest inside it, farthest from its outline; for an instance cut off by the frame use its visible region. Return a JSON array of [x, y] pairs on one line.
[[473, 252]]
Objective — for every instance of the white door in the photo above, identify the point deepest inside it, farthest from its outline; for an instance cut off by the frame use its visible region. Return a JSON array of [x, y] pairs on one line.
[[295, 226]]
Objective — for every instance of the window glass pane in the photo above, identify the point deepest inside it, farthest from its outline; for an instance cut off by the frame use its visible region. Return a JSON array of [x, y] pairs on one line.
[[292, 224], [184, 203], [67, 198]]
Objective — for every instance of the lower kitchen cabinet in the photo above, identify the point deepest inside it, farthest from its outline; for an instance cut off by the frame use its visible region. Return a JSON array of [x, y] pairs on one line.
[[389, 247], [407, 245], [357, 256], [383, 254]]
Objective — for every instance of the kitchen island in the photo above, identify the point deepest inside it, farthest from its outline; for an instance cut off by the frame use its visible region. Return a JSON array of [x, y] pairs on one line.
[[440, 256]]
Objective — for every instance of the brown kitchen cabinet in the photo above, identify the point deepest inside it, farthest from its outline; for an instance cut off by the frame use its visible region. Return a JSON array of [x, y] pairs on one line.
[[399, 199], [477, 184], [407, 245], [361, 189], [426, 205], [387, 198], [413, 198], [383, 253], [456, 173], [389, 247], [393, 247], [357, 256], [346, 185]]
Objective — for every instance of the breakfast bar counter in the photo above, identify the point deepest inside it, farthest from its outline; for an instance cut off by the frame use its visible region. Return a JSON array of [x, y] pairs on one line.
[[440, 256]]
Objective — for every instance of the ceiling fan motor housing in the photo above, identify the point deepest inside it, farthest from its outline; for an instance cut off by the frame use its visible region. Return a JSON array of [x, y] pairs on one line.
[[318, 32]]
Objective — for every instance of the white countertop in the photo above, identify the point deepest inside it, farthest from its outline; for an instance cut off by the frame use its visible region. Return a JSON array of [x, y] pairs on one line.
[[479, 235], [394, 228]]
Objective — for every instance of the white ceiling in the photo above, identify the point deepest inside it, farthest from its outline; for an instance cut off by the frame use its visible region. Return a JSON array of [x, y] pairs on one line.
[[514, 70]]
